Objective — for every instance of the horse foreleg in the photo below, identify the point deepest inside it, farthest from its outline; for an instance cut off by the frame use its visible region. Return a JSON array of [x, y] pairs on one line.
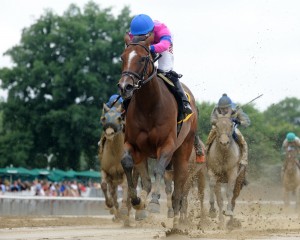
[[219, 198], [201, 189], [232, 177], [126, 206], [113, 192], [238, 187], [104, 188], [127, 164], [212, 184]]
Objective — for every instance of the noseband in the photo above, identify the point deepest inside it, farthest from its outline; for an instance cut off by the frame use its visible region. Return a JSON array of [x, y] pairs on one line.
[[141, 80]]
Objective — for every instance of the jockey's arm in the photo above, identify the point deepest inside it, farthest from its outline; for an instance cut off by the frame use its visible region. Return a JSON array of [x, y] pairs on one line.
[[214, 116], [242, 118]]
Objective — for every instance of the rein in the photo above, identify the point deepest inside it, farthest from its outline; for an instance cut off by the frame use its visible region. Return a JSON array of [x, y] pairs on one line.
[[141, 78]]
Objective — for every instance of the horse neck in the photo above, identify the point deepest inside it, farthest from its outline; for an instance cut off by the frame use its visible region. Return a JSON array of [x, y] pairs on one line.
[[151, 92], [117, 142]]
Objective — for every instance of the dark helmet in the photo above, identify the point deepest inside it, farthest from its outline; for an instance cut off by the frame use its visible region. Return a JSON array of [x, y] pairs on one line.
[[290, 137], [141, 25], [224, 101]]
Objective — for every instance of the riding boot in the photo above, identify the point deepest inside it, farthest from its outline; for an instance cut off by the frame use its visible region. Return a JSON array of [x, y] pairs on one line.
[[174, 77], [210, 138], [200, 158]]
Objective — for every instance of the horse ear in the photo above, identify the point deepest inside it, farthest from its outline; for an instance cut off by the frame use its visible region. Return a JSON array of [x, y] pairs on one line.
[[119, 108], [127, 39], [105, 107], [150, 39]]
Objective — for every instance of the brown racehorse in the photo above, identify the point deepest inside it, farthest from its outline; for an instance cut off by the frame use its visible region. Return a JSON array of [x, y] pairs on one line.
[[151, 127]]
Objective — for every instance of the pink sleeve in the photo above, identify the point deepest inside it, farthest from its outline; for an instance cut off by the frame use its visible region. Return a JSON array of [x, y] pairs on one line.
[[162, 46]]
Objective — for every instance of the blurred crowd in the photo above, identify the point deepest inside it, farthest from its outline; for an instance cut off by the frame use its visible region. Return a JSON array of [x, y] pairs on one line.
[[37, 187]]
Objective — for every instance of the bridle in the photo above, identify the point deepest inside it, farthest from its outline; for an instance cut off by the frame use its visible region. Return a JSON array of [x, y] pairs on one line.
[[138, 79], [224, 132]]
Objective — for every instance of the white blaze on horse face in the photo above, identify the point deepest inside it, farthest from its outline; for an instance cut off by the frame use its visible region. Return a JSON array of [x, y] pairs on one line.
[[131, 57]]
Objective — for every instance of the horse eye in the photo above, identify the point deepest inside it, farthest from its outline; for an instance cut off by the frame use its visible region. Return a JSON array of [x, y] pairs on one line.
[[103, 119], [142, 59]]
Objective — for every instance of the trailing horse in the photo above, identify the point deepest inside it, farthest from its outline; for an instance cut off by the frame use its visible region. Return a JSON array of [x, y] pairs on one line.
[[223, 166], [110, 155], [151, 128], [291, 177]]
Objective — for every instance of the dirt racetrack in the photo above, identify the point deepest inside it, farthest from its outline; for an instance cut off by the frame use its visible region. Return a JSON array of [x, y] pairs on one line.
[[259, 210]]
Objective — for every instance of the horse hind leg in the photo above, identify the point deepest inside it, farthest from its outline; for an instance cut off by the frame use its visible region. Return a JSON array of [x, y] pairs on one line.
[[142, 169], [168, 178], [125, 206]]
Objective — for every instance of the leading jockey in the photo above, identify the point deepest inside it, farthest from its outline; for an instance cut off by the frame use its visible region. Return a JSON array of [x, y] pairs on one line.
[[225, 105], [143, 25]]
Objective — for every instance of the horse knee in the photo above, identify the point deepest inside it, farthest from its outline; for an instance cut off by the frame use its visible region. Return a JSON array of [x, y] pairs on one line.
[[127, 162], [104, 186]]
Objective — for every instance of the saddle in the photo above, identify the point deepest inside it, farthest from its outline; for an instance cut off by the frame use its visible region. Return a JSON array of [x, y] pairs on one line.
[[181, 117]]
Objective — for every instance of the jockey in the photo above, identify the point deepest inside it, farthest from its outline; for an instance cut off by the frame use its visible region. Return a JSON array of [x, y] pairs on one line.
[[291, 141], [141, 25], [225, 105]]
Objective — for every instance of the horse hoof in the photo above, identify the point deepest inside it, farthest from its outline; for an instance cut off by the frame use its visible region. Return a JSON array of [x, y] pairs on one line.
[[233, 223], [140, 215], [154, 207], [170, 213], [228, 213], [126, 222], [212, 213], [123, 212], [176, 222]]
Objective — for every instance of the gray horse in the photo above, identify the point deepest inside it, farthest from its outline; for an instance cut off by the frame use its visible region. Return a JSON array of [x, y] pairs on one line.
[[291, 177], [110, 154], [223, 166]]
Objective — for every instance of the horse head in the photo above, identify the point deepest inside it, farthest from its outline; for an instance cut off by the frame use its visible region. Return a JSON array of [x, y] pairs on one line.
[[137, 65], [225, 130], [112, 121]]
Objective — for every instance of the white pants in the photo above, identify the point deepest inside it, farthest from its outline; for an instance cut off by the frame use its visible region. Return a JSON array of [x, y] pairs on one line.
[[166, 61]]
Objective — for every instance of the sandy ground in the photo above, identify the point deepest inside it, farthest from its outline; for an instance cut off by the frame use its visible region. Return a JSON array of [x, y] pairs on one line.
[[259, 211]]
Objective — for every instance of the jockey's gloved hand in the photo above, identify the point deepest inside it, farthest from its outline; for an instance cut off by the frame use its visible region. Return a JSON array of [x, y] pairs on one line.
[[155, 56], [236, 121]]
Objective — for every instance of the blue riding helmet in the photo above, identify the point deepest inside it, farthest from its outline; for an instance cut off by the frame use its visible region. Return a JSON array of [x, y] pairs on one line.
[[113, 98], [291, 137], [224, 101], [141, 25]]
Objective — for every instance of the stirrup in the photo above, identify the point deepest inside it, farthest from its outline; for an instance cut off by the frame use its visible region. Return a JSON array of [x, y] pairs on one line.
[[187, 108]]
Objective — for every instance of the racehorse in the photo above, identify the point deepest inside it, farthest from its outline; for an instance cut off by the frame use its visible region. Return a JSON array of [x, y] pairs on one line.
[[151, 127], [223, 166], [110, 155], [291, 176]]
